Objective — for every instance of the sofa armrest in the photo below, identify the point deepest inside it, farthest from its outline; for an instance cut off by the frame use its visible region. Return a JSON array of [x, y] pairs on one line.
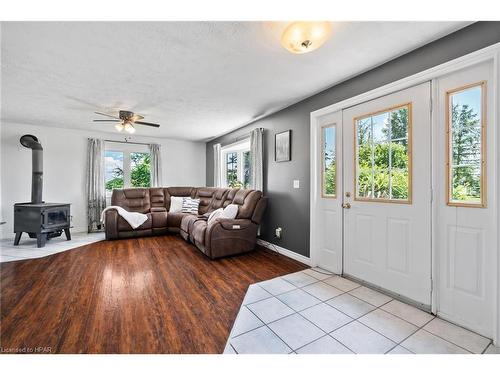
[[230, 236], [232, 224], [111, 224]]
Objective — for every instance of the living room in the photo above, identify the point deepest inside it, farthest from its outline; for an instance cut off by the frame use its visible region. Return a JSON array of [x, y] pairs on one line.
[[250, 187]]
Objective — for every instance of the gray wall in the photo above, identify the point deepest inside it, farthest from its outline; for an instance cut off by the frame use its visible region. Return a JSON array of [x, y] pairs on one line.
[[288, 207]]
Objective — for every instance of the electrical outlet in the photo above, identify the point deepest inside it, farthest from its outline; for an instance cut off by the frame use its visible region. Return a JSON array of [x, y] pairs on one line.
[[296, 184], [278, 231]]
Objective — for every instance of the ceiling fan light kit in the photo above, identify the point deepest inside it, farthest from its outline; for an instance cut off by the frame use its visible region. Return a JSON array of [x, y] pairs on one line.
[[303, 37], [129, 128], [126, 120]]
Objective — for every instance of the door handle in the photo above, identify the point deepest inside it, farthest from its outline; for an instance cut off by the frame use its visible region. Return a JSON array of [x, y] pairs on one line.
[[346, 205]]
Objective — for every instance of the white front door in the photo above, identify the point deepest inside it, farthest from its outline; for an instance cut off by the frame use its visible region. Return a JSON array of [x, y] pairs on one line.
[[387, 192]]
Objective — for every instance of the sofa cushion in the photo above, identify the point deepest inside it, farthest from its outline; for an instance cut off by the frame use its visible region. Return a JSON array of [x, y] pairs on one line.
[[190, 205], [217, 200], [175, 204], [157, 197], [229, 197], [247, 200], [159, 219], [198, 232], [177, 191], [174, 219], [215, 215], [230, 212], [180, 191], [187, 223], [133, 200], [124, 226], [205, 195]]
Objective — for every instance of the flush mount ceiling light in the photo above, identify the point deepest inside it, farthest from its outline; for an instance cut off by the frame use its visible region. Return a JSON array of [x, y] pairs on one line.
[[303, 37]]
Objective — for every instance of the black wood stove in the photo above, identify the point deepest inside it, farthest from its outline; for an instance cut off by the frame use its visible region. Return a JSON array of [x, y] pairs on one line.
[[40, 220]]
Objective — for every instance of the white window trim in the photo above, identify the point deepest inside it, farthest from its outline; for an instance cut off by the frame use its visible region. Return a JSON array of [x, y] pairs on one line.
[[239, 147]]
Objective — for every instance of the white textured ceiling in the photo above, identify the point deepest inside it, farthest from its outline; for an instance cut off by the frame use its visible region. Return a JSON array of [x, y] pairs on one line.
[[197, 79]]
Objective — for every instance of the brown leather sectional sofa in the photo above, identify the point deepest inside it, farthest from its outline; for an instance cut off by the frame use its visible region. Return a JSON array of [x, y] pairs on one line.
[[221, 238]]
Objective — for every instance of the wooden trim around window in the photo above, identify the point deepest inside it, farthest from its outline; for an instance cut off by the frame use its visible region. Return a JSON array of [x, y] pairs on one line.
[[323, 195], [483, 179], [410, 156]]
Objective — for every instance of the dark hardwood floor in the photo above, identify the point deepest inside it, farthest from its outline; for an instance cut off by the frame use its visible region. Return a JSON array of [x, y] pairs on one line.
[[147, 295]]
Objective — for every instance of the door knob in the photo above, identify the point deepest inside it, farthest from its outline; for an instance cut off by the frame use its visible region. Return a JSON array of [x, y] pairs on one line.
[[346, 205]]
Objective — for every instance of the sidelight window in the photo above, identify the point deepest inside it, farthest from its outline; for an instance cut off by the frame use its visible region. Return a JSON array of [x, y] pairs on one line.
[[329, 161], [383, 155], [466, 154]]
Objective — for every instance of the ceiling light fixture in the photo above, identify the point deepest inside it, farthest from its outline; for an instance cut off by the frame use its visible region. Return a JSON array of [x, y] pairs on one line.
[[119, 127], [302, 37], [129, 128]]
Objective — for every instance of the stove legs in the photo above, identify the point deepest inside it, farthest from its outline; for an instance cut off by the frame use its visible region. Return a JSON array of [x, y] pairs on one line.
[[18, 238], [68, 234], [41, 238]]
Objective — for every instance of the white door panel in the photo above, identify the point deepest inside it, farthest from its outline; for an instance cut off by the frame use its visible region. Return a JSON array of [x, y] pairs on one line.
[[466, 236], [387, 242], [327, 229]]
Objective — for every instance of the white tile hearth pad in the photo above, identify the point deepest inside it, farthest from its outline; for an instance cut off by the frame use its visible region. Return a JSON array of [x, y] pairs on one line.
[[27, 248], [316, 312]]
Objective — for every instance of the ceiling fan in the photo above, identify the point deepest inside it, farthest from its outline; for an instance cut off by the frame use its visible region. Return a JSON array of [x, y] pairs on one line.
[[126, 120]]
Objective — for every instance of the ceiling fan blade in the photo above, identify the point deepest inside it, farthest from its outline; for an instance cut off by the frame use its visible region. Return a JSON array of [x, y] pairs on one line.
[[108, 120], [147, 124], [136, 117], [105, 114]]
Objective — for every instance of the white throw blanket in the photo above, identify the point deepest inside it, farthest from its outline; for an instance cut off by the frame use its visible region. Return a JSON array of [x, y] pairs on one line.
[[135, 219]]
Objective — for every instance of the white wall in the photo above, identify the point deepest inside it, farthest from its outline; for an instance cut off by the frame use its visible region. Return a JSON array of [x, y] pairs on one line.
[[65, 167]]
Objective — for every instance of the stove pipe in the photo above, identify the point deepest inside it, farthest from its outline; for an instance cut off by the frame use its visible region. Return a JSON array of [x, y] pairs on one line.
[[30, 141]]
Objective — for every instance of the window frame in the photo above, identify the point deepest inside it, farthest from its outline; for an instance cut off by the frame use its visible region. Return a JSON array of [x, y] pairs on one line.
[[449, 148], [126, 149], [322, 155], [409, 200], [239, 147]]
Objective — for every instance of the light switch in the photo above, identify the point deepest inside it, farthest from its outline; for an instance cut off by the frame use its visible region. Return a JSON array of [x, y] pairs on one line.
[[296, 184]]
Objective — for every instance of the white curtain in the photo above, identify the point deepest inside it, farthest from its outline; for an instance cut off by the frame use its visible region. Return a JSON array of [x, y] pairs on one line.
[[96, 195], [217, 165], [156, 176], [256, 157]]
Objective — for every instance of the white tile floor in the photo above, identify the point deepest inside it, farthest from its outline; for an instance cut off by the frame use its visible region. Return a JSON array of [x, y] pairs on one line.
[[27, 248], [314, 312]]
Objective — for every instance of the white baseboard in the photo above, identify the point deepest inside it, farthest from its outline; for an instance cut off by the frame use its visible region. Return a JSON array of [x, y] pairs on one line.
[[288, 253]]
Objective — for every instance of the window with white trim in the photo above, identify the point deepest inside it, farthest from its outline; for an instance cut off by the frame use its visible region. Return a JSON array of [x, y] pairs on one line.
[[235, 164], [126, 165]]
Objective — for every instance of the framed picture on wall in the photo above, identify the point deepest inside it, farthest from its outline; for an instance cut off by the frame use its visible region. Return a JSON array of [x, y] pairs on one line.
[[282, 146]]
